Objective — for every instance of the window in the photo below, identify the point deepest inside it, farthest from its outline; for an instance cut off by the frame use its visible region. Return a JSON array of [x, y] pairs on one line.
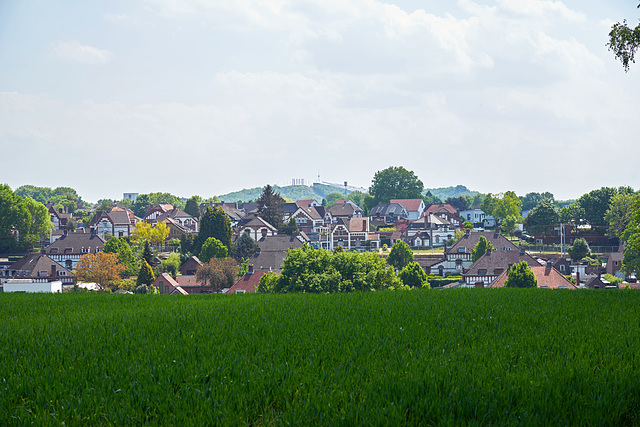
[[498, 271], [68, 250], [563, 268], [462, 250], [68, 264], [85, 250], [538, 241], [507, 248], [615, 263], [482, 272], [42, 273], [62, 273], [53, 251]]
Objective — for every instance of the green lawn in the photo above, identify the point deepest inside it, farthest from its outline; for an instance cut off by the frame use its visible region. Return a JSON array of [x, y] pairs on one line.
[[465, 356]]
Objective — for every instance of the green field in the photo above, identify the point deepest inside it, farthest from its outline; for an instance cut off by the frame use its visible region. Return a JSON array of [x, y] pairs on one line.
[[466, 356]]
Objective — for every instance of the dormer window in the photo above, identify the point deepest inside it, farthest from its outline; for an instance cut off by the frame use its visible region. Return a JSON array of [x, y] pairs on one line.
[[482, 272], [85, 250], [462, 250]]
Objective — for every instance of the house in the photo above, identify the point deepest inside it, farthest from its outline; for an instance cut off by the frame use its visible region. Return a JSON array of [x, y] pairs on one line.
[[614, 262], [308, 219], [445, 211], [388, 213], [117, 222], [458, 256], [546, 276], [179, 217], [492, 264], [415, 207], [344, 209], [247, 283], [258, 228], [475, 216], [155, 211], [307, 203], [190, 266], [429, 231], [598, 282], [561, 264], [192, 285], [37, 268], [351, 234], [68, 249], [59, 217], [272, 251], [165, 284]]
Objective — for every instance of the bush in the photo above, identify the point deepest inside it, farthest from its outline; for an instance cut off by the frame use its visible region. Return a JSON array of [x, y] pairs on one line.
[[612, 279]]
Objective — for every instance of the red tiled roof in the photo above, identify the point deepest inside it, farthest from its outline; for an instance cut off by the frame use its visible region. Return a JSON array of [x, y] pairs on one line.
[[247, 283], [188, 281], [546, 277], [409, 204]]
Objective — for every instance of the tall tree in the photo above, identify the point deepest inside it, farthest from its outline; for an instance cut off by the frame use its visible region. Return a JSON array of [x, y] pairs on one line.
[[244, 247], [531, 200], [624, 42], [121, 248], [218, 273], [521, 276], [332, 198], [192, 207], [620, 213], [270, 206], [461, 203], [481, 248], [214, 223], [147, 254], [400, 255], [39, 224], [159, 233], [542, 218], [595, 205], [212, 248], [573, 214], [395, 182], [145, 276], [291, 228], [23, 222], [101, 268], [430, 199]]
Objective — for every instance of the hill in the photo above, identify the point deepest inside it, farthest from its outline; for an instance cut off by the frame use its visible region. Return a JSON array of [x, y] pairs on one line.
[[294, 192], [444, 193]]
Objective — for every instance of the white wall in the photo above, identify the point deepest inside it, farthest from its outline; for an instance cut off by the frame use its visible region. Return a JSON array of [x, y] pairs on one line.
[[29, 286]]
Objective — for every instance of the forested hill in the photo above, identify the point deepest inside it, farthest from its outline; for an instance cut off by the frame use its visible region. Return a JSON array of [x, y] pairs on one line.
[[444, 193], [320, 191]]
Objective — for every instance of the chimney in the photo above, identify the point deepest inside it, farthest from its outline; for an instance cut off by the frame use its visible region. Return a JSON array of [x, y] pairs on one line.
[[577, 278], [521, 251], [250, 269], [466, 234], [93, 231], [488, 251], [548, 265], [53, 270], [496, 234]]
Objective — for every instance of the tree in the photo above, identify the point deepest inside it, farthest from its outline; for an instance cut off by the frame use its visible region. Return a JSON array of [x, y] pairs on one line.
[[291, 228], [244, 247], [172, 264], [531, 200], [461, 203], [400, 255], [218, 273], [212, 248], [481, 248], [624, 42], [39, 223], [413, 275], [542, 218], [267, 283], [507, 205], [395, 182], [579, 250], [270, 206], [23, 222], [214, 223], [124, 253], [573, 214], [430, 199], [159, 233], [332, 198], [192, 207], [595, 205], [145, 276], [187, 243], [141, 232], [101, 268], [631, 258], [147, 254], [521, 276], [620, 213]]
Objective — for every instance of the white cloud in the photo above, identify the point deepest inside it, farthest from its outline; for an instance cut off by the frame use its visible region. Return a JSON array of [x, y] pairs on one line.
[[74, 51]]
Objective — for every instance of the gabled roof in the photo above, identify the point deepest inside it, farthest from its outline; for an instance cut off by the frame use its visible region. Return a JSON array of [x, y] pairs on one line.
[[234, 214], [77, 241], [499, 259], [304, 203], [546, 277], [441, 207], [173, 214], [470, 240], [189, 281], [412, 205], [311, 212], [344, 208], [31, 264], [273, 251], [259, 222], [247, 283], [388, 209]]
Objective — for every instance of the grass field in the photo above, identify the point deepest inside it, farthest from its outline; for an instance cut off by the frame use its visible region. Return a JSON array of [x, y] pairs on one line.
[[465, 356]]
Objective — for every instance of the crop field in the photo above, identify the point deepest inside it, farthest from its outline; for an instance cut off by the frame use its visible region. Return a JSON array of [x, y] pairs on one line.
[[506, 356]]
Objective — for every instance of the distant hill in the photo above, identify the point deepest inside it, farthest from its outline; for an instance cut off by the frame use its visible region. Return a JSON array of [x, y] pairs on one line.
[[444, 193], [294, 192]]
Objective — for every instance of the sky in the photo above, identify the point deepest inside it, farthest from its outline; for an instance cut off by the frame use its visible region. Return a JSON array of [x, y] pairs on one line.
[[208, 97]]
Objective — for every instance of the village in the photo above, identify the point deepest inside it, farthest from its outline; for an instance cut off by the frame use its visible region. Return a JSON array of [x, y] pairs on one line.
[[442, 239]]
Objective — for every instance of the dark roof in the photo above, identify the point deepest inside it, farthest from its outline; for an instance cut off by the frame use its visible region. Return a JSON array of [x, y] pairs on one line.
[[344, 208], [273, 251], [259, 222], [32, 264], [77, 241], [500, 258], [469, 241], [388, 209]]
